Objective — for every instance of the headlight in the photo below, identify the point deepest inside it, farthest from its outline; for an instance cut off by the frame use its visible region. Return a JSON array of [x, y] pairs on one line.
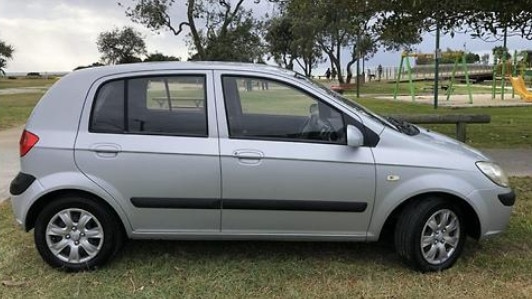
[[494, 172]]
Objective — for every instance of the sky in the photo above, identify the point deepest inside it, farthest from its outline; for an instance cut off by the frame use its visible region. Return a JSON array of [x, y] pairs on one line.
[[59, 35]]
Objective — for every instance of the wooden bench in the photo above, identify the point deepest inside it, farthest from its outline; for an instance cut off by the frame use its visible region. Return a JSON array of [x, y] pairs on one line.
[[341, 88], [461, 120]]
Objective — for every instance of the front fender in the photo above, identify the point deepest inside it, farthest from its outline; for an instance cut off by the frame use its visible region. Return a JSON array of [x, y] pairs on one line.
[[408, 183]]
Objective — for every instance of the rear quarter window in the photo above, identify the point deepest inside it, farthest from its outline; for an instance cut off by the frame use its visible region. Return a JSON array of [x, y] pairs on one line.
[[108, 109]]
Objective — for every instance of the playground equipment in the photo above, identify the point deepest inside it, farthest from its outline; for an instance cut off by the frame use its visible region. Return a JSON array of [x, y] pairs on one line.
[[459, 61], [518, 83], [507, 69]]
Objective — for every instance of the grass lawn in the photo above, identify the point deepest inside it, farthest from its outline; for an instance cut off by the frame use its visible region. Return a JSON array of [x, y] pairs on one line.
[[494, 268], [387, 88], [15, 109], [510, 127], [26, 82]]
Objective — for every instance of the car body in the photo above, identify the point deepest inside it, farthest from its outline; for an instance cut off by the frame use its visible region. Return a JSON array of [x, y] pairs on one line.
[[211, 150]]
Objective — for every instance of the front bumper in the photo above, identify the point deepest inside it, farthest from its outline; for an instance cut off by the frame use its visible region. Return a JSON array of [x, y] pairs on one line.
[[493, 208], [507, 199]]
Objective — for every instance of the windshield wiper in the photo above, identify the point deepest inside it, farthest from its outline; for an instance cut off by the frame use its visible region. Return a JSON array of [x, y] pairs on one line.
[[403, 126]]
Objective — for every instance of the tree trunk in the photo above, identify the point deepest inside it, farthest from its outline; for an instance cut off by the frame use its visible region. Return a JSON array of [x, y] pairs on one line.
[[337, 62], [337, 65], [349, 72], [194, 31]]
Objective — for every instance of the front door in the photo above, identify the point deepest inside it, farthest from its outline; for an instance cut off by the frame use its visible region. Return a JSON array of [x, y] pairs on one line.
[[286, 167]]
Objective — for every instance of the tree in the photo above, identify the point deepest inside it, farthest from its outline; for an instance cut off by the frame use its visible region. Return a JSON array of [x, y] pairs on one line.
[[331, 23], [121, 45], [6, 52], [485, 58], [160, 57], [354, 24], [280, 41], [501, 52], [472, 57], [485, 19], [448, 57], [231, 32], [289, 43]]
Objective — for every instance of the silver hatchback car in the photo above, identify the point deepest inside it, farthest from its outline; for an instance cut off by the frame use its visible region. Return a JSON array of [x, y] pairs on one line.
[[228, 151]]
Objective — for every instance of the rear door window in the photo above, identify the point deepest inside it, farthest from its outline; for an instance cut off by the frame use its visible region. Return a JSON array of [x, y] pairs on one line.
[[166, 105]]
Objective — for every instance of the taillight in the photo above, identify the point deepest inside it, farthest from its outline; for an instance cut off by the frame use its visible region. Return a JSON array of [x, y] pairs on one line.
[[27, 141]]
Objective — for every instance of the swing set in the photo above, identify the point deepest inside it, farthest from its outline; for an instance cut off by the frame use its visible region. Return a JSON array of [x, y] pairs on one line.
[[459, 58]]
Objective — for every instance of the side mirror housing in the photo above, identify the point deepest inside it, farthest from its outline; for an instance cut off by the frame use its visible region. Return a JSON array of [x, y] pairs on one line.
[[355, 138]]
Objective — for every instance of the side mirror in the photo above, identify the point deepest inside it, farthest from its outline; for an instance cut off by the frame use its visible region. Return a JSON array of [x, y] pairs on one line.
[[355, 138]]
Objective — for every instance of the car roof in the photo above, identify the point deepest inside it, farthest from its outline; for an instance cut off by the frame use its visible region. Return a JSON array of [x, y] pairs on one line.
[[102, 71]]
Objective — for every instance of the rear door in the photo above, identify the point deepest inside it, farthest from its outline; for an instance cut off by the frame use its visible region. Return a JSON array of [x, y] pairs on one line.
[[151, 142], [286, 167]]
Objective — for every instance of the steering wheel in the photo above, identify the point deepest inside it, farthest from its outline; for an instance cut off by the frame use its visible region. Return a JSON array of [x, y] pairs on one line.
[[318, 129]]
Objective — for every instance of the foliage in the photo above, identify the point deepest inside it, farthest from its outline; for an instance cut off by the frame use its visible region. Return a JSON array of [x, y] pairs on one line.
[[288, 41], [281, 41], [231, 32], [501, 52], [121, 45], [160, 57], [348, 24], [525, 57], [6, 52], [448, 57], [485, 19]]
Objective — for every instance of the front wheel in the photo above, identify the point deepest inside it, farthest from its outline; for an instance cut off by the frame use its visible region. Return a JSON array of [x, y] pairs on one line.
[[430, 234], [76, 233]]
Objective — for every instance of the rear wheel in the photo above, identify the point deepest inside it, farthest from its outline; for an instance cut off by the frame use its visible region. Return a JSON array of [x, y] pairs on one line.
[[430, 234], [76, 233]]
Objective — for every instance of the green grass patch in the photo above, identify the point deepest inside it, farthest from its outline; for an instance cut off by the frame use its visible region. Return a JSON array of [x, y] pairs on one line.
[[491, 268], [27, 82], [16, 108], [510, 127], [387, 88]]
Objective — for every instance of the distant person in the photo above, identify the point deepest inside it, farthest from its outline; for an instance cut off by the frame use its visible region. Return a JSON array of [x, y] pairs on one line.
[[370, 75], [379, 72], [333, 73], [328, 73]]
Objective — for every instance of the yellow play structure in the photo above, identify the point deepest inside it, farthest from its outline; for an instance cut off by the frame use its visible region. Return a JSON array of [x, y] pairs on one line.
[[520, 88]]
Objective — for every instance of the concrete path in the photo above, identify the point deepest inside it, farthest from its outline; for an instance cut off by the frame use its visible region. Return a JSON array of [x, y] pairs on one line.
[[516, 162], [17, 90], [9, 158]]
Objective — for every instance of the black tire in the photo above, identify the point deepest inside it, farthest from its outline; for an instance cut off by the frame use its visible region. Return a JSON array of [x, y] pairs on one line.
[[443, 238], [92, 244]]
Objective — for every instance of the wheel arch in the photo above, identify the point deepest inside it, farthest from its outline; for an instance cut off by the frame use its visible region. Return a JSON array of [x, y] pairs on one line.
[[472, 222], [45, 199]]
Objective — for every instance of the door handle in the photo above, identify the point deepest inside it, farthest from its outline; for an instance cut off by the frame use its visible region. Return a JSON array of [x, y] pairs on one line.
[[249, 156], [106, 150]]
